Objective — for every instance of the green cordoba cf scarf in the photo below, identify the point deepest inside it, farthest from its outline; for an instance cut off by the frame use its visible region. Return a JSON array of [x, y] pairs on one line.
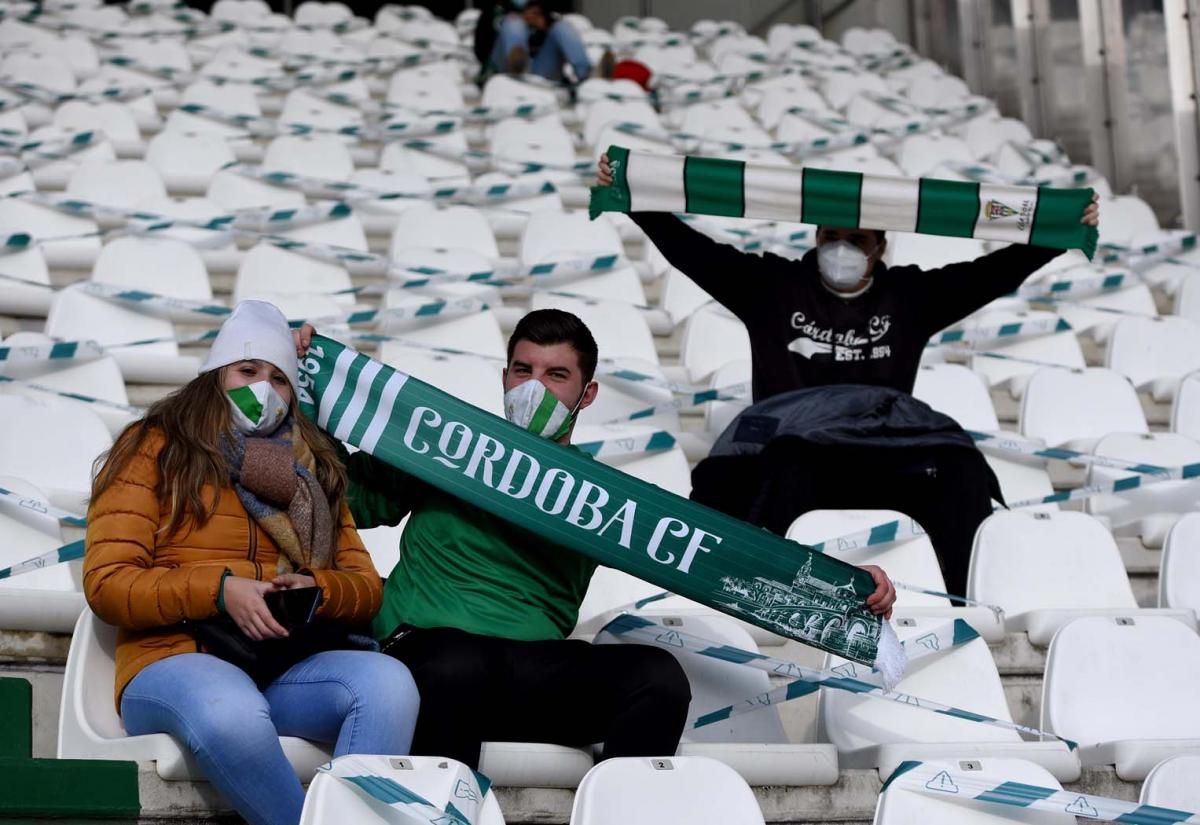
[[590, 508]]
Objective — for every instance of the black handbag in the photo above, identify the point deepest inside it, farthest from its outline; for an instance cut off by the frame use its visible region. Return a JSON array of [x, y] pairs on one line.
[[266, 660]]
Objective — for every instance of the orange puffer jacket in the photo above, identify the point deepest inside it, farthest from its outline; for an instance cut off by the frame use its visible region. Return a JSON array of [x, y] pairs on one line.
[[145, 583]]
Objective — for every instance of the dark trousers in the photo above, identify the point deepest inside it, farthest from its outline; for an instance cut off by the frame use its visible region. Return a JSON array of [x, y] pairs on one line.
[[948, 490], [633, 698]]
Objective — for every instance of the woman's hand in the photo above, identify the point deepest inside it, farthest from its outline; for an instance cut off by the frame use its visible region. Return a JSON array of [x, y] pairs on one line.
[[303, 337], [244, 603], [880, 602], [293, 581], [1091, 215], [604, 173]]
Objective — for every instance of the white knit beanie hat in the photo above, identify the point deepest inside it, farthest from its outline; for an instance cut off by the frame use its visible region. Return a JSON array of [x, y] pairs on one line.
[[256, 330]]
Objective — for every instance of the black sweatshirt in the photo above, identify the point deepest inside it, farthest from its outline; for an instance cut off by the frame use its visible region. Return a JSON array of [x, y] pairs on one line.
[[803, 335]]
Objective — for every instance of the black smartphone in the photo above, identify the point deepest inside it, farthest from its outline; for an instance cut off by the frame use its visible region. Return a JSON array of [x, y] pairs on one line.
[[294, 608]]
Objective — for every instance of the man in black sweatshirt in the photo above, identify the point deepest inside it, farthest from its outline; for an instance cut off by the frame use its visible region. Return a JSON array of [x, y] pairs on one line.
[[839, 315]]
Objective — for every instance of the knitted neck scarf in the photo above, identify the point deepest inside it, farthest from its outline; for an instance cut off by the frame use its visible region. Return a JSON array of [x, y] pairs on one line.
[[645, 182], [274, 477]]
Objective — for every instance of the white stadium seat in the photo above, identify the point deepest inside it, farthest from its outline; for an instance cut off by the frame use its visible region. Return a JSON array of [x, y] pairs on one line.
[[47, 600], [872, 733], [753, 744], [1147, 512], [1123, 690], [1076, 408], [643, 791], [431, 778], [1155, 353], [1172, 784], [959, 393], [60, 464], [1045, 569], [900, 806], [1179, 576], [89, 727]]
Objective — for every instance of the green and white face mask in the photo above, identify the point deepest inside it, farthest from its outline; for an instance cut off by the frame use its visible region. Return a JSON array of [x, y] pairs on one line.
[[533, 407], [257, 409]]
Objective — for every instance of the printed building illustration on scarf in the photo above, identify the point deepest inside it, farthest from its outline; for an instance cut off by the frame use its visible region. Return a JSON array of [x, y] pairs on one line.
[[815, 610]]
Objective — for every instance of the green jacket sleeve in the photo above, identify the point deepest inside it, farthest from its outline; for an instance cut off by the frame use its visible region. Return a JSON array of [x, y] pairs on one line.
[[377, 493]]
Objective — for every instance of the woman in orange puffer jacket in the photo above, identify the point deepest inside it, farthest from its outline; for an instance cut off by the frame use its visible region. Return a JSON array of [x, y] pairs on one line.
[[222, 494]]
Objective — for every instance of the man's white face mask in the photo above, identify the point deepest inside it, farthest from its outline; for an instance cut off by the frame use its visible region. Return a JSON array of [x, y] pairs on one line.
[[257, 408], [842, 264], [531, 406]]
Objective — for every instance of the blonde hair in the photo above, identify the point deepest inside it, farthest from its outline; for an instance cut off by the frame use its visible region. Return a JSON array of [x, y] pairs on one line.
[[193, 421]]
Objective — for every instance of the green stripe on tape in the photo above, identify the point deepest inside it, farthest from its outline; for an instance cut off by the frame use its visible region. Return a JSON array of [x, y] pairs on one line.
[[1153, 815], [714, 186], [1015, 793], [947, 207], [831, 198]]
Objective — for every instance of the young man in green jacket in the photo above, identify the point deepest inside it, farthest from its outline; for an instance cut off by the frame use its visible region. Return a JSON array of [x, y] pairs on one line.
[[480, 610]]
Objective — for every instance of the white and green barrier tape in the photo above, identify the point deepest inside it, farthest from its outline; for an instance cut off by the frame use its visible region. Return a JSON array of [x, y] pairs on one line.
[[66, 553], [1079, 287], [1014, 444], [57, 351], [32, 153], [966, 784], [731, 392], [478, 160], [572, 500], [382, 131], [1001, 333], [1187, 472], [34, 93], [45, 508], [643, 630], [940, 640], [74, 396], [714, 186], [1176, 243], [628, 445], [474, 194], [402, 805], [256, 219]]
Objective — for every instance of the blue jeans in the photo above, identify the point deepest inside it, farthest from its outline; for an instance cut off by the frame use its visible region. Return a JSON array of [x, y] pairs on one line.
[[562, 45], [364, 703]]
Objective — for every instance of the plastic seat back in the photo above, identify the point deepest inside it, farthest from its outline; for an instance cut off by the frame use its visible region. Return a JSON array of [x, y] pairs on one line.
[[1109, 680], [643, 791]]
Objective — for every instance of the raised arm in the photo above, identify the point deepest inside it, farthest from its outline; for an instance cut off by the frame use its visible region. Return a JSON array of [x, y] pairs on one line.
[[734, 278], [953, 292], [377, 493]]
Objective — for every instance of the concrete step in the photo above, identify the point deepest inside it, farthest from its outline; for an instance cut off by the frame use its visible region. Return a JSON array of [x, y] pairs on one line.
[[850, 801]]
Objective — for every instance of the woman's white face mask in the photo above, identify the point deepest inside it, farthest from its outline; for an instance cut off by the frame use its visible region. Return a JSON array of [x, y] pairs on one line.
[[258, 409], [842, 264], [531, 406]]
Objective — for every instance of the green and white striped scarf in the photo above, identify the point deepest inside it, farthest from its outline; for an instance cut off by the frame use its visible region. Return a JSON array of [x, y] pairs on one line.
[[570, 499], [646, 182]]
